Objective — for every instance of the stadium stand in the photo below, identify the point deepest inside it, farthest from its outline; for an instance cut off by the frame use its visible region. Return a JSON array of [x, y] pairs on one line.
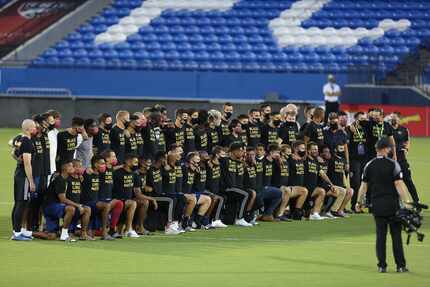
[[254, 35]]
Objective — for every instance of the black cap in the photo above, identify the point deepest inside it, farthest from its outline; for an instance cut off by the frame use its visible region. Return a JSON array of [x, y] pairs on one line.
[[383, 143]]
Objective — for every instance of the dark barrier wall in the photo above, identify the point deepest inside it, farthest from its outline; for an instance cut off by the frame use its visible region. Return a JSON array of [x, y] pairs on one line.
[[165, 84], [14, 109]]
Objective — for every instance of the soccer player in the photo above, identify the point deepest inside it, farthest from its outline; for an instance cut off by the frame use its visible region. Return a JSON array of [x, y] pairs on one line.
[[336, 173], [401, 137], [153, 136], [101, 140], [289, 130], [270, 131], [54, 121], [235, 134], [117, 137], [115, 206], [314, 130], [214, 122], [224, 128], [232, 171], [67, 141], [200, 134], [296, 179], [189, 126], [265, 110], [253, 129], [24, 182], [141, 123], [84, 151], [191, 176], [175, 134], [77, 193], [58, 206], [125, 181], [213, 170], [134, 128]]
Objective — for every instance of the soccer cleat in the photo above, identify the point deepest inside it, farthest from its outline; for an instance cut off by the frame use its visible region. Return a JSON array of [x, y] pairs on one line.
[[21, 237], [218, 224], [315, 216], [337, 214], [330, 215], [132, 234], [402, 270], [242, 222], [116, 235], [382, 269]]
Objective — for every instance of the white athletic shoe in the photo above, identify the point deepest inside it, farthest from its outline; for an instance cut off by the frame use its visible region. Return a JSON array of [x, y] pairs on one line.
[[218, 224], [242, 222], [315, 216], [171, 230], [329, 215], [132, 234], [194, 225], [342, 213]]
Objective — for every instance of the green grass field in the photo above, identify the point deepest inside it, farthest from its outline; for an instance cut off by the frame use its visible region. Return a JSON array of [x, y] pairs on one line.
[[329, 253]]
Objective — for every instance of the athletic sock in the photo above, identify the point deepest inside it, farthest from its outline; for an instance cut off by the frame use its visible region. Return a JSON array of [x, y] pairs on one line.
[[64, 233], [116, 213]]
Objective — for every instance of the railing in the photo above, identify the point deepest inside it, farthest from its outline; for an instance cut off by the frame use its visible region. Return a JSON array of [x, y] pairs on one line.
[[39, 92]]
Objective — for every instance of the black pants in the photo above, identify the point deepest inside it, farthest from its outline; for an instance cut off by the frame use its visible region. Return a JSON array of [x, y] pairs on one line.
[[330, 107], [382, 223], [356, 168], [407, 179]]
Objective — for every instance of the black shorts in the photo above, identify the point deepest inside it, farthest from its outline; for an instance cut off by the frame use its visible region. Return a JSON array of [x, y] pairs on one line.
[[21, 188]]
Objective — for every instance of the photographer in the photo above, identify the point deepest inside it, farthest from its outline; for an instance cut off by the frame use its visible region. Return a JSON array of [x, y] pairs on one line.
[[382, 176]]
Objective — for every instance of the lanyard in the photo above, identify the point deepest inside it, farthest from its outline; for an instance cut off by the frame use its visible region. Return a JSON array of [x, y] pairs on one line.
[[380, 131], [360, 135]]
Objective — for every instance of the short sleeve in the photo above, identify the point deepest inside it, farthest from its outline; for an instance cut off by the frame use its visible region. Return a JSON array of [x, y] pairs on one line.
[[60, 186], [389, 128], [406, 134], [137, 181], [365, 176], [26, 146], [397, 171]]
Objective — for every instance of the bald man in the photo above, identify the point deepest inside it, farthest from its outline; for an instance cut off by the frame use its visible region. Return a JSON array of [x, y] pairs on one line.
[[24, 182]]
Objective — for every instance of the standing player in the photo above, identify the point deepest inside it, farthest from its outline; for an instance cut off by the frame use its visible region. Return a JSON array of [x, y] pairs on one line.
[[117, 137], [314, 129], [101, 141], [67, 141]]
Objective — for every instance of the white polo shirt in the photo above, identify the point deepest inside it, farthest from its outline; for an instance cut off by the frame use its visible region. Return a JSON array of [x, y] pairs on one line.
[[330, 88]]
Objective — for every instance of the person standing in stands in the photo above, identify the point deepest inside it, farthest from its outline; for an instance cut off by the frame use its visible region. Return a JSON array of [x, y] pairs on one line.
[[67, 141], [224, 130], [101, 140], [401, 137], [117, 137], [331, 92]]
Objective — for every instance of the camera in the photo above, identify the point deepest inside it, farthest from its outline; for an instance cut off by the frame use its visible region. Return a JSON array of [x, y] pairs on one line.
[[411, 220]]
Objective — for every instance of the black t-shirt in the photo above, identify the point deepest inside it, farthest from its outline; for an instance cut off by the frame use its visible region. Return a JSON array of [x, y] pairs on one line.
[[188, 179], [101, 141], [90, 188], [201, 139], [289, 132], [117, 139], [232, 172], [312, 170], [280, 173], [169, 180], [324, 168], [315, 133], [336, 170], [259, 169], [269, 135], [376, 131], [74, 189], [189, 139], [131, 144], [106, 184], [250, 177], [200, 180], [213, 172], [38, 157], [267, 172], [380, 175], [66, 146], [175, 135], [124, 183], [140, 144], [334, 138], [213, 138], [357, 143], [253, 133], [57, 186], [46, 154], [154, 141], [223, 130], [154, 179], [179, 176], [141, 182], [229, 139], [26, 146], [297, 172], [401, 136]]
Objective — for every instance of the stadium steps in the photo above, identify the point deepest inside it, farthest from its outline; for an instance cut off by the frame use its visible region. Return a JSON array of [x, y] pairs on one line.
[[27, 52]]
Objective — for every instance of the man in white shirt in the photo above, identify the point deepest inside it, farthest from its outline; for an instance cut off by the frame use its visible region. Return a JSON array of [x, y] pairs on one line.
[[332, 92], [54, 121]]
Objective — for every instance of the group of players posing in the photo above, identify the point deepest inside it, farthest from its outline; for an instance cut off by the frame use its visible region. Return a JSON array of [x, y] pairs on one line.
[[199, 171]]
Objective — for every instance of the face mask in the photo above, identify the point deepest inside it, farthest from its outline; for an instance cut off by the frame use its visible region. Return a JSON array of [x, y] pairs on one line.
[[277, 123], [260, 157], [51, 127], [195, 121], [114, 162], [362, 122], [257, 120], [57, 124], [102, 168], [126, 123], [108, 126], [134, 167], [333, 126], [301, 153], [394, 122], [228, 115], [138, 128], [340, 153]]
